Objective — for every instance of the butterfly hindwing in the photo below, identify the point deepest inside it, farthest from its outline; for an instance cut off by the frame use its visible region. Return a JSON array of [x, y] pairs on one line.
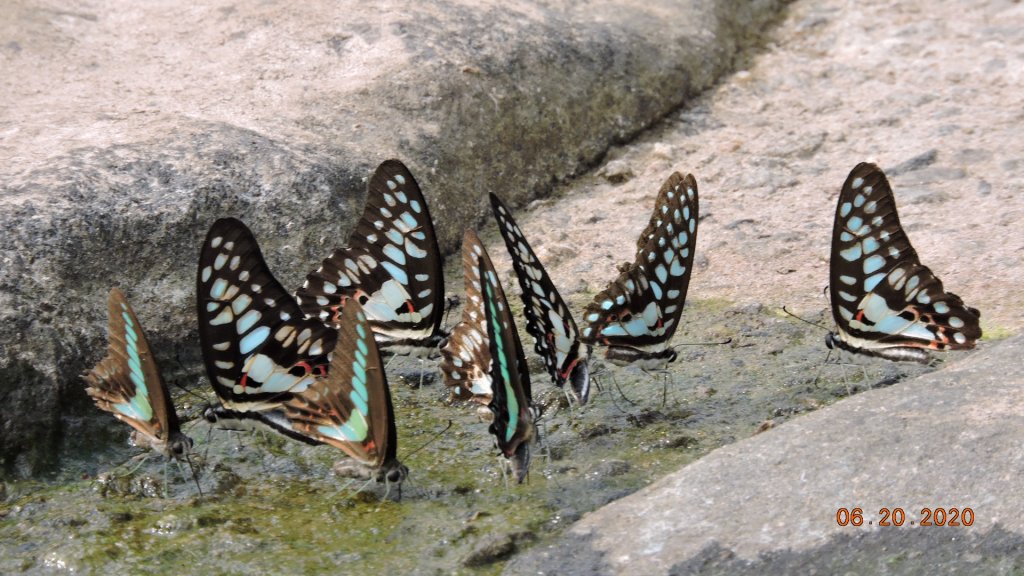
[[637, 314], [257, 346], [391, 265], [128, 384], [548, 320], [466, 356], [512, 401], [351, 408], [884, 301]]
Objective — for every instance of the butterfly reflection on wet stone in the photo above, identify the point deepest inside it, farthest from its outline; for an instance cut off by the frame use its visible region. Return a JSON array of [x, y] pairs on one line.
[[637, 314], [351, 407], [548, 320], [391, 265], [884, 301], [258, 348]]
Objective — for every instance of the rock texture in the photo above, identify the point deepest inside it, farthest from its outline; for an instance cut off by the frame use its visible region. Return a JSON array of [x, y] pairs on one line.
[[768, 504], [128, 128]]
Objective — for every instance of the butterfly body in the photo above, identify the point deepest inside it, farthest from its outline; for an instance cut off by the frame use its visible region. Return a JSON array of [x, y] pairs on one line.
[[391, 266], [258, 348], [350, 408], [637, 314], [884, 301], [548, 319], [128, 384], [239, 421]]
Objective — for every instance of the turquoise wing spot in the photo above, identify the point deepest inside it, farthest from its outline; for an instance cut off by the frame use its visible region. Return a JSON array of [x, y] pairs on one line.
[[506, 378], [396, 272], [139, 408], [252, 340]]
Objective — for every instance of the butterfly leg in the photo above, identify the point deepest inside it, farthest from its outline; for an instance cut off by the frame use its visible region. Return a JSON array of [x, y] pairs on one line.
[[504, 465], [616, 382], [195, 476], [612, 396], [142, 460]]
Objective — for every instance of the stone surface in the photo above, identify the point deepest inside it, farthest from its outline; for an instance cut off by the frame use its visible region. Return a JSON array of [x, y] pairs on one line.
[[128, 128], [768, 504]]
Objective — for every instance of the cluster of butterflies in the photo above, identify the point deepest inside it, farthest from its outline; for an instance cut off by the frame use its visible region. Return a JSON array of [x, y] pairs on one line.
[[309, 366]]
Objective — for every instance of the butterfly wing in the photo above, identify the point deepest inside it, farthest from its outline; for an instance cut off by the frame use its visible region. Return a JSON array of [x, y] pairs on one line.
[[391, 265], [883, 298], [351, 408], [641, 308], [548, 320], [257, 346], [466, 356], [128, 384], [512, 400]]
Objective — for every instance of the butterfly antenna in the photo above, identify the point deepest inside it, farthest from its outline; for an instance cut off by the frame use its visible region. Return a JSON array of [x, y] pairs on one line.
[[431, 441], [805, 321], [722, 343]]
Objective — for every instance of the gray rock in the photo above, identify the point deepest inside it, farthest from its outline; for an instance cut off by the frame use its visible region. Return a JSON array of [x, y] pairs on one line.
[[277, 115], [769, 504]]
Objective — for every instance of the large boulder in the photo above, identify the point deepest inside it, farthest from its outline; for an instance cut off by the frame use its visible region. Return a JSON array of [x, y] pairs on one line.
[[127, 128]]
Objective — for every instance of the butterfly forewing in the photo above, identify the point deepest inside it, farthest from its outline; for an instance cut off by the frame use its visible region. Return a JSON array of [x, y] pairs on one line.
[[258, 347], [641, 308], [391, 265], [512, 401], [882, 296], [351, 407], [466, 356], [127, 383], [548, 320]]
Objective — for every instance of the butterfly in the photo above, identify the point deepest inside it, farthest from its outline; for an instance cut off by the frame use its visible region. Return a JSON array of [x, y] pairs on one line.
[[392, 266], [637, 314], [465, 355], [258, 348], [511, 401], [884, 301], [548, 320], [351, 408], [128, 384]]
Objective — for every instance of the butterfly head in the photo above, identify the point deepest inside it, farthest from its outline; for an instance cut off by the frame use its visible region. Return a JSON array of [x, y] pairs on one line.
[[393, 472], [179, 446], [831, 341], [579, 378]]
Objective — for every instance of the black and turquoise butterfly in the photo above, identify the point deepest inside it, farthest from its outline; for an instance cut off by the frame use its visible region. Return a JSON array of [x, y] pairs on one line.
[[884, 301], [258, 347], [128, 384], [466, 355], [391, 265], [351, 408], [548, 319], [637, 314], [512, 402]]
